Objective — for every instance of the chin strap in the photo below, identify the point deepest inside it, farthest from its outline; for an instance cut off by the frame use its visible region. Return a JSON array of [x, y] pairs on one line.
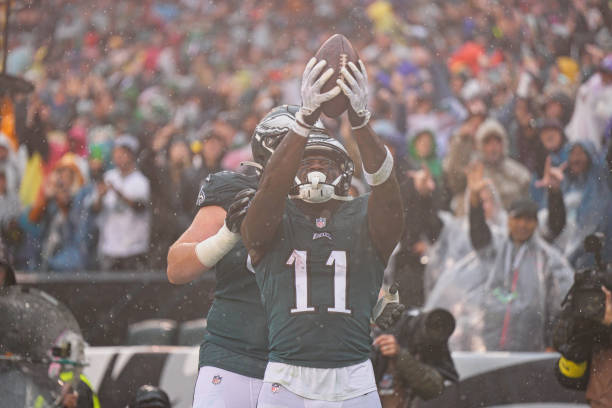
[[316, 190], [252, 164], [258, 167]]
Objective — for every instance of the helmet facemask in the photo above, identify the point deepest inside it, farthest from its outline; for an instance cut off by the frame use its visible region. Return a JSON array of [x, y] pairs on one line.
[[315, 186]]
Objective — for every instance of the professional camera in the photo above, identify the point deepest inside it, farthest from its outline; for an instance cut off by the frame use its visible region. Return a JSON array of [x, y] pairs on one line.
[[580, 334], [585, 298], [424, 361], [428, 332]]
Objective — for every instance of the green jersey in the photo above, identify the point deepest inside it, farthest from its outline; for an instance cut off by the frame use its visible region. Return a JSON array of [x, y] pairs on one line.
[[319, 283], [237, 333]]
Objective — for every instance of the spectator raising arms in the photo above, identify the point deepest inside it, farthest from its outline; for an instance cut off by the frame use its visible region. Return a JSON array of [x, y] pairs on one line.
[[586, 196], [506, 294], [61, 217], [510, 178]]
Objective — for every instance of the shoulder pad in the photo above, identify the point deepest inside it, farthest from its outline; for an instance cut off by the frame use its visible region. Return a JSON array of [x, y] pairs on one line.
[[221, 188]]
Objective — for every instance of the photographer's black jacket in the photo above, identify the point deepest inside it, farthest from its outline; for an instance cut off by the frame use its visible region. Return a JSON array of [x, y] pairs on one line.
[[434, 357]]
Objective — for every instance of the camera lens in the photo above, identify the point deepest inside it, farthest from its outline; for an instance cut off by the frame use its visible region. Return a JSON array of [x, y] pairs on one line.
[[440, 324]]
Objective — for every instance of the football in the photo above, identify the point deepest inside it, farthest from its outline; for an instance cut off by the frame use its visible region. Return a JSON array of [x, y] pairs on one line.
[[337, 51]]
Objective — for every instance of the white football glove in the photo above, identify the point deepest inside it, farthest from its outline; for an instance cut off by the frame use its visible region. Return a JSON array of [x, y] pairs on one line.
[[312, 98], [357, 93]]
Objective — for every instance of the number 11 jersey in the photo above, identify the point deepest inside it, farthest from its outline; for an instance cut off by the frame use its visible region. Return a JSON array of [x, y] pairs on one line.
[[319, 282]]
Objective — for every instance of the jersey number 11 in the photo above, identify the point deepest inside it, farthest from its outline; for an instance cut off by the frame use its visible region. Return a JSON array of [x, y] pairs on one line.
[[338, 260]]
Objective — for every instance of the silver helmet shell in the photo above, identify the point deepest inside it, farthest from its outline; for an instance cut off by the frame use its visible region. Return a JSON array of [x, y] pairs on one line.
[[270, 131]]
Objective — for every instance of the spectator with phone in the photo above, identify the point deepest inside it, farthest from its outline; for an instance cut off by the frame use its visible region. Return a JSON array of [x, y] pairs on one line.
[[124, 204]]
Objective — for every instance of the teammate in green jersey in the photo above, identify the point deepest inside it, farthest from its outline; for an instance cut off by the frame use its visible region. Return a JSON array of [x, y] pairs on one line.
[[319, 256], [234, 353]]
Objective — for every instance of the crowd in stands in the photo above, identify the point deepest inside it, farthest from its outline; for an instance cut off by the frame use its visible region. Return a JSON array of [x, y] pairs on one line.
[[136, 102]]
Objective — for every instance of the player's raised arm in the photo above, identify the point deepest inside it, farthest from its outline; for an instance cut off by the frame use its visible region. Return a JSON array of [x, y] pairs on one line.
[[266, 210], [385, 212]]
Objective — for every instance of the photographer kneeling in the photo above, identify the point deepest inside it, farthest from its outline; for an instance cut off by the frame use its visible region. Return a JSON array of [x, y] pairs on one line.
[[583, 334], [412, 358]]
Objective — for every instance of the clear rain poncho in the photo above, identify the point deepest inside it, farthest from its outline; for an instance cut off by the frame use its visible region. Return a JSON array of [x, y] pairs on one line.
[[588, 204], [504, 298], [454, 244]]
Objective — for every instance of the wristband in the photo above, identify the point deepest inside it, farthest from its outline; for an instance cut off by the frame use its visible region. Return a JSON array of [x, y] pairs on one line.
[[213, 248], [364, 114], [299, 126], [571, 369], [382, 174]]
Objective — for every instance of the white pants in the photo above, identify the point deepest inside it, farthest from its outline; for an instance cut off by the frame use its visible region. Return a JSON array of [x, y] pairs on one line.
[[218, 388], [274, 395]]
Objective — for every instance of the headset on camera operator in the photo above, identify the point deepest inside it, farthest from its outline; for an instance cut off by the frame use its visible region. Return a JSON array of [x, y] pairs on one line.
[[412, 359], [583, 334]]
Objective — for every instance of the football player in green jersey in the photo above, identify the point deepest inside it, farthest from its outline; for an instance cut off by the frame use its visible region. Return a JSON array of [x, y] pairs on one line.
[[319, 256], [234, 353]]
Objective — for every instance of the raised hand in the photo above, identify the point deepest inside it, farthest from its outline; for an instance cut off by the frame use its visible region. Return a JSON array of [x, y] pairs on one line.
[[475, 181], [553, 176], [355, 87], [312, 98], [607, 319], [475, 176], [424, 183]]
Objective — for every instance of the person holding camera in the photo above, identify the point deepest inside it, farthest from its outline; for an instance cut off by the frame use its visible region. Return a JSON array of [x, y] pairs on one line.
[[59, 213], [412, 359], [123, 202], [583, 334]]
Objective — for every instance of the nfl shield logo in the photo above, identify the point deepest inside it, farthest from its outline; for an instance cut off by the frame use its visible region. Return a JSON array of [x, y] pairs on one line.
[[321, 222], [275, 387], [216, 380]]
